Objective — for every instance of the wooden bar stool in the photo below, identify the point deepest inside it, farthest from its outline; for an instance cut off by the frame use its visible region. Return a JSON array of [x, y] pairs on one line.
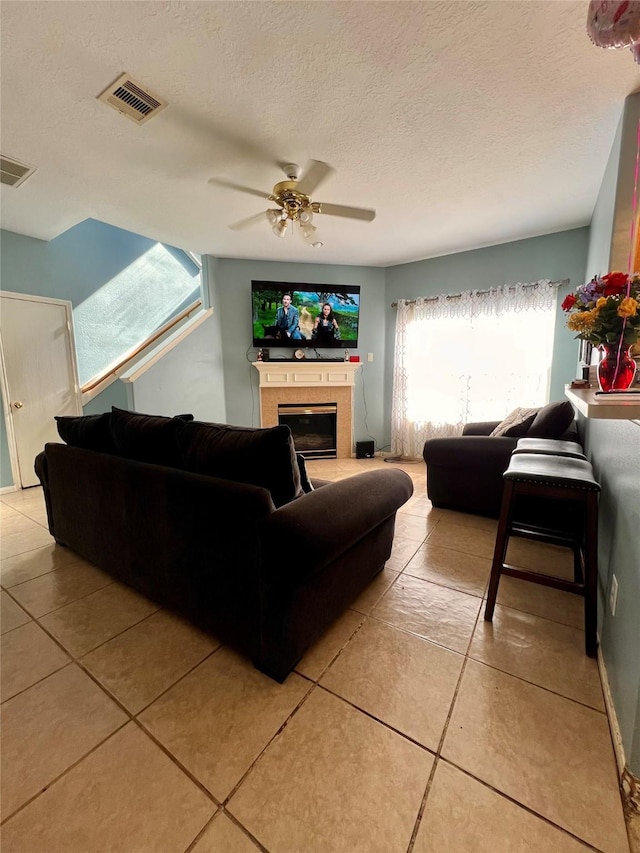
[[559, 479]]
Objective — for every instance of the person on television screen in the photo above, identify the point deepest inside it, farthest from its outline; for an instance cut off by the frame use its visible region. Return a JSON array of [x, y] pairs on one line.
[[288, 319], [326, 329]]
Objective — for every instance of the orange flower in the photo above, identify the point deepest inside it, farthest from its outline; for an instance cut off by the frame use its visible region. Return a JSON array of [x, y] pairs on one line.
[[628, 307], [583, 321]]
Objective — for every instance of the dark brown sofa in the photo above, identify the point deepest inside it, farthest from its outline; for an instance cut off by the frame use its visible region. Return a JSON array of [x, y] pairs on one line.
[[266, 570], [464, 472]]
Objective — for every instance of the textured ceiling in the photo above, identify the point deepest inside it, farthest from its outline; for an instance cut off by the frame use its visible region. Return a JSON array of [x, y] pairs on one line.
[[463, 124]]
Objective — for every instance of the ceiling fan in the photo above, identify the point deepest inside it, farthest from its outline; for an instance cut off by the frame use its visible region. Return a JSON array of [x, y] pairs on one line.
[[294, 204]]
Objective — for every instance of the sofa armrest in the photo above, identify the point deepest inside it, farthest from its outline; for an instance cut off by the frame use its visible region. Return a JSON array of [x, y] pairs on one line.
[[306, 534], [457, 452], [465, 473], [480, 428]]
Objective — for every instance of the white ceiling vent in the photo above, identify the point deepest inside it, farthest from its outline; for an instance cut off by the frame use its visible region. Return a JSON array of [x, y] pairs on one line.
[[14, 173], [130, 99]]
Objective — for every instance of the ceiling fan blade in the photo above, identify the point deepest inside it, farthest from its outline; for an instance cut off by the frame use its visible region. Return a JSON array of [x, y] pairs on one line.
[[220, 182], [315, 173], [250, 220], [349, 212]]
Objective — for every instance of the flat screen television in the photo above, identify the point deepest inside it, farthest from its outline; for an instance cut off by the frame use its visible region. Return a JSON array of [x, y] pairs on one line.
[[316, 315]]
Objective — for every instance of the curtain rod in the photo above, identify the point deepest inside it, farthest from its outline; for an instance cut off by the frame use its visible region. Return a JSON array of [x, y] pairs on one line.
[[480, 292]]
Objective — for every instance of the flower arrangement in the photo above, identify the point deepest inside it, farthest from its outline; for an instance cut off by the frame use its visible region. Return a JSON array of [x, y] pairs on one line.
[[606, 310]]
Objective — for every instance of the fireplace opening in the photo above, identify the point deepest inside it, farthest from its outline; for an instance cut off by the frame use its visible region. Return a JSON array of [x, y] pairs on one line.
[[313, 426]]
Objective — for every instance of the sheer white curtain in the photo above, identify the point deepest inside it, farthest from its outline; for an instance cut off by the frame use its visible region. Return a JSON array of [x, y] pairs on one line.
[[471, 357]]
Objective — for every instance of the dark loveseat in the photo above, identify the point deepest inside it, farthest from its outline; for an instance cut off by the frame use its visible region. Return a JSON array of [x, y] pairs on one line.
[[464, 472], [265, 569]]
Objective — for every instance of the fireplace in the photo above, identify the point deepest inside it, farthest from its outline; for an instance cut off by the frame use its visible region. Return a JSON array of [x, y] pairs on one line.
[[313, 426], [309, 383]]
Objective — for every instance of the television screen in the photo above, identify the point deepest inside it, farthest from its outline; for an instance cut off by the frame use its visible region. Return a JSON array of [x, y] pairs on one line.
[[305, 315]]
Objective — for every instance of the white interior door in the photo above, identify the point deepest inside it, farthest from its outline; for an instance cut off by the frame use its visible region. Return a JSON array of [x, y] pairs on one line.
[[40, 375]]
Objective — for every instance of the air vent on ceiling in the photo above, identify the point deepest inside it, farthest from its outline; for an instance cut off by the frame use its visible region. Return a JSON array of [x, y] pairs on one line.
[[130, 99], [14, 173]]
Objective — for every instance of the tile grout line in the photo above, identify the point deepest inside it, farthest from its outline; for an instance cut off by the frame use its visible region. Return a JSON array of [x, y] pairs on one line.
[[131, 717], [454, 698], [271, 740], [44, 574], [539, 686], [521, 805], [57, 778], [375, 719], [235, 821]]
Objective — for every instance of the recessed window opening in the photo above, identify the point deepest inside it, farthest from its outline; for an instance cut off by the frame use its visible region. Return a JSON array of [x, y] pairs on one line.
[[124, 314]]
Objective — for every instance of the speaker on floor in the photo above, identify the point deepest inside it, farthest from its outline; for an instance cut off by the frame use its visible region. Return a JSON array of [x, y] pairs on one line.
[[365, 450]]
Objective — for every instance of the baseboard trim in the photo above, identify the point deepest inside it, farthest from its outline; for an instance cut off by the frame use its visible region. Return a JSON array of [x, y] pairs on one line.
[[4, 490], [629, 782], [616, 736]]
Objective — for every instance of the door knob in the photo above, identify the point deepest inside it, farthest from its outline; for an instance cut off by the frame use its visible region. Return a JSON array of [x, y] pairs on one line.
[[17, 405]]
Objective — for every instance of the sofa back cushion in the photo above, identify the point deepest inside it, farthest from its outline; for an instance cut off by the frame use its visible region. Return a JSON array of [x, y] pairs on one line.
[[147, 438], [90, 432], [552, 421], [261, 457]]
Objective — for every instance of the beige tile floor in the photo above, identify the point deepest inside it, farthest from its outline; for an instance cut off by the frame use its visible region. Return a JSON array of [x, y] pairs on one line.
[[412, 725]]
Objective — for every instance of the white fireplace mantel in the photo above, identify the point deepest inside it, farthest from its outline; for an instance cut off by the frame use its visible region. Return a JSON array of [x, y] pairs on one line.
[[290, 374]]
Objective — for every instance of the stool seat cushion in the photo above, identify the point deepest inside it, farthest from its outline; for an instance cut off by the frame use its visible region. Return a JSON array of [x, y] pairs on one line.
[[550, 447], [561, 471]]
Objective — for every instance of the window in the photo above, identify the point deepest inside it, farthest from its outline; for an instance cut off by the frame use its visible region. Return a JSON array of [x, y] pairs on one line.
[[125, 312]]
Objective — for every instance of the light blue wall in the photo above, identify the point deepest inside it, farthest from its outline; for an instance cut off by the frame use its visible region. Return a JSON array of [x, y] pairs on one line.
[[601, 231], [186, 379], [74, 265], [553, 256], [613, 447], [241, 380]]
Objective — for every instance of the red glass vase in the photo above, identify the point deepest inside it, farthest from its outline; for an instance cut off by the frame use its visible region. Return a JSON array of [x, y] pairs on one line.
[[616, 370]]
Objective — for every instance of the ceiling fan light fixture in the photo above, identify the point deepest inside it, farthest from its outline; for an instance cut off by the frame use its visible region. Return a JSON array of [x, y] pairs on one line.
[[295, 204], [308, 230], [280, 228]]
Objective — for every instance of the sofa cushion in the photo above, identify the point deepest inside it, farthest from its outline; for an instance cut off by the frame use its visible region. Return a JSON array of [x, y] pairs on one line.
[[90, 432], [516, 424], [261, 457], [552, 420], [147, 438]]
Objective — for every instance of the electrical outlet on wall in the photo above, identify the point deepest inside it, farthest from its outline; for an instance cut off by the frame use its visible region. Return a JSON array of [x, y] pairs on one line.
[[613, 595], [369, 356]]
